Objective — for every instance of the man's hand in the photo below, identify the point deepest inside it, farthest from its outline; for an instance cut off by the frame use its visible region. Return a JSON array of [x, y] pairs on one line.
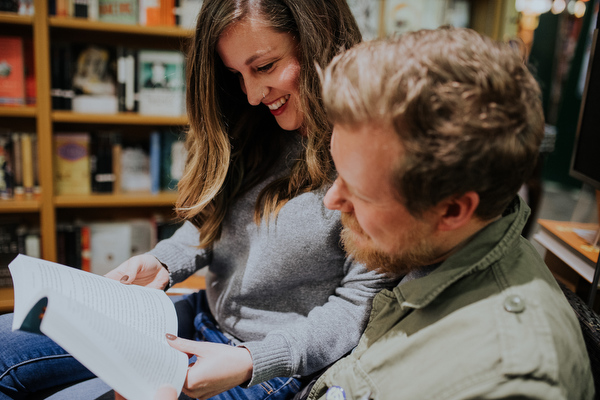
[[142, 270], [218, 368]]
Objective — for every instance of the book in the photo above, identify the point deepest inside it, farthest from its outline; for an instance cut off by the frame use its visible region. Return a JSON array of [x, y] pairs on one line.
[[101, 162], [6, 175], [112, 243], [117, 331], [17, 157], [27, 159], [94, 80], [126, 82], [135, 170], [72, 163], [561, 238], [118, 11], [80, 8], [161, 82], [155, 161], [12, 71], [149, 12], [188, 11], [172, 160], [9, 5], [30, 83]]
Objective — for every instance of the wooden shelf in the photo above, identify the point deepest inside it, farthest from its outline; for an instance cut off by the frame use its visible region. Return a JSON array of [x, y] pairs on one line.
[[15, 19], [19, 206], [87, 25], [7, 300], [19, 111], [117, 119], [136, 199]]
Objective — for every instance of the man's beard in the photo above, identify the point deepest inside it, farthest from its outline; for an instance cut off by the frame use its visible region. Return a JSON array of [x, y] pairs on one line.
[[413, 249]]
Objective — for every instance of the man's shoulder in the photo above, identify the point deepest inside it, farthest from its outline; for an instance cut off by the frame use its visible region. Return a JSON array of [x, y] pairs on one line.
[[520, 338]]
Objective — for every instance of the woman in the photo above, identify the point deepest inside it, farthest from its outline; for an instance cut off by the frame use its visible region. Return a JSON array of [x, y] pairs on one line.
[[282, 300]]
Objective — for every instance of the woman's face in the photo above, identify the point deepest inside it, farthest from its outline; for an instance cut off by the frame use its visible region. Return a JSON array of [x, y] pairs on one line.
[[267, 66]]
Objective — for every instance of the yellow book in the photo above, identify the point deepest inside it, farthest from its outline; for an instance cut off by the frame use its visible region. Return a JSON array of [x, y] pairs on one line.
[[27, 166], [72, 163]]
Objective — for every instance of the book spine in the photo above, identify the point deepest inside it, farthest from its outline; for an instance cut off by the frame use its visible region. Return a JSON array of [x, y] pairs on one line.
[[130, 81], [116, 162], [19, 192], [101, 164], [86, 254], [72, 163], [56, 71], [121, 77], [5, 179], [155, 162], [30, 82], [27, 157], [80, 8]]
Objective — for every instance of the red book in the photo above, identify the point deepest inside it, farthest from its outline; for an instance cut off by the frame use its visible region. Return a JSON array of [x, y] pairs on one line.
[[30, 86], [12, 71]]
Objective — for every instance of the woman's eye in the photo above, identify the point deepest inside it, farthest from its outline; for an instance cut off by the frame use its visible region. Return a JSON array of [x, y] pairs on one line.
[[265, 68]]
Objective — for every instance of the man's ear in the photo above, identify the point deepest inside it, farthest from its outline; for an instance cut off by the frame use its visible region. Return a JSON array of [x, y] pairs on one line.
[[456, 212]]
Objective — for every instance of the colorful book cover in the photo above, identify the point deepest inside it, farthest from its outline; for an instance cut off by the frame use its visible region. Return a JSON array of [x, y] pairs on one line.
[[72, 163], [118, 11], [12, 71], [161, 83]]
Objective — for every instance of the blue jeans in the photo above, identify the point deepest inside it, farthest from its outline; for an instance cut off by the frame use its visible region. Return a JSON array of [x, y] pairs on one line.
[[31, 363]]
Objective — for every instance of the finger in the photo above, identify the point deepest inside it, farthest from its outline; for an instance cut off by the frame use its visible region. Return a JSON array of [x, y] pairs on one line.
[[183, 345], [166, 392]]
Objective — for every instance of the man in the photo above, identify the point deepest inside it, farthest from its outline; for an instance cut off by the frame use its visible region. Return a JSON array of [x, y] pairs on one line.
[[434, 133]]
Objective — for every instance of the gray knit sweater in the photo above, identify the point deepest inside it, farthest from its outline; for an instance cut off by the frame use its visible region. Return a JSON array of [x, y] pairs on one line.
[[284, 289]]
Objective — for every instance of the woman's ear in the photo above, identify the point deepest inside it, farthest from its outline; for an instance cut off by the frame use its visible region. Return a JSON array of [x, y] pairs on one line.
[[456, 212]]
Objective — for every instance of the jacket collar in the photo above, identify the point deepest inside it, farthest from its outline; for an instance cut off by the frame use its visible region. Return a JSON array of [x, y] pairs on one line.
[[486, 247]]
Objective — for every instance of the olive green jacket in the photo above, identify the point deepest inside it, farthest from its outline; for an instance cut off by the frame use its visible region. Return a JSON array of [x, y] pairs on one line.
[[489, 323]]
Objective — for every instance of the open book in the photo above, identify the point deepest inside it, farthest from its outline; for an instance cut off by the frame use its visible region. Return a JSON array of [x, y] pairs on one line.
[[117, 331]]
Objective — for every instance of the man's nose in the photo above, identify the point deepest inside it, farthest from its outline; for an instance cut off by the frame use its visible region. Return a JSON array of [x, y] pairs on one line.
[[335, 199]]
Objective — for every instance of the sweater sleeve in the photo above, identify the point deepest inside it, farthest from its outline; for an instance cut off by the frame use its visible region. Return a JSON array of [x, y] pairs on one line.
[[180, 253], [326, 334]]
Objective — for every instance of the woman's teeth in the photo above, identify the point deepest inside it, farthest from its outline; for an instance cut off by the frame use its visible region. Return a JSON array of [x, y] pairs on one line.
[[275, 105]]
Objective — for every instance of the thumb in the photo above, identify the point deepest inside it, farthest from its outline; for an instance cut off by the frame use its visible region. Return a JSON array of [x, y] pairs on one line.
[[183, 345]]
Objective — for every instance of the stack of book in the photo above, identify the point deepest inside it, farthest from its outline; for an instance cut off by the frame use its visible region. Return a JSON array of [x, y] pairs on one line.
[[18, 166], [141, 12], [107, 80], [98, 162]]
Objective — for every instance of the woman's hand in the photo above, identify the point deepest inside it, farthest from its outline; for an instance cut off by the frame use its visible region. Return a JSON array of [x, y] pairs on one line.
[[218, 367], [142, 270]]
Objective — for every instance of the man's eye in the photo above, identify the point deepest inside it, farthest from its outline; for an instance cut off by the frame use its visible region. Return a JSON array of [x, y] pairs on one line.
[[265, 68]]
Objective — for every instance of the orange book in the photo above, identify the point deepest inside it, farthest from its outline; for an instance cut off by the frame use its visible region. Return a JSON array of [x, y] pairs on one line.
[[86, 255], [12, 71]]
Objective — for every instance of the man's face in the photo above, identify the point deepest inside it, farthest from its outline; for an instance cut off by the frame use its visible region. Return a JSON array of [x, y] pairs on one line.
[[378, 230]]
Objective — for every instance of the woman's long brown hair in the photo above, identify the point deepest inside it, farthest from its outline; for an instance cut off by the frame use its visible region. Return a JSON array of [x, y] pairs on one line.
[[231, 145]]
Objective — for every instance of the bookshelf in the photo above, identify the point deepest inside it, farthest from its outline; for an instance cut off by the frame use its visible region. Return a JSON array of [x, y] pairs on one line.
[[44, 121]]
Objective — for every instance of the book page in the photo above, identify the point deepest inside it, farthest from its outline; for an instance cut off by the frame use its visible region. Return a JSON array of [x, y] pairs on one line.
[[132, 363], [144, 309]]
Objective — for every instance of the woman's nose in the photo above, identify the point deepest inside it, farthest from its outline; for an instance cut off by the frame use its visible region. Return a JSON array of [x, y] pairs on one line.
[[254, 91]]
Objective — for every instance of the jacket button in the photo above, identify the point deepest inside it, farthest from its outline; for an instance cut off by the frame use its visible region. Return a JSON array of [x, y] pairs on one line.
[[514, 304]]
